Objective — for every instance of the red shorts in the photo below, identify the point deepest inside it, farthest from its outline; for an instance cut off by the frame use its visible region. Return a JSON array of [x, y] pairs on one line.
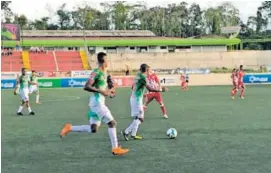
[[154, 95], [183, 84], [235, 84], [241, 84]]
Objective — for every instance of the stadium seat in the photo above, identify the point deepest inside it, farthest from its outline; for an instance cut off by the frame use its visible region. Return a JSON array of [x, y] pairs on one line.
[[69, 60], [12, 63], [42, 61]]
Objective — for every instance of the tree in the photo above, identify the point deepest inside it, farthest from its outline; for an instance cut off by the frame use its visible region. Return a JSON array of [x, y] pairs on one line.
[[64, 17], [21, 20], [7, 11], [41, 24]]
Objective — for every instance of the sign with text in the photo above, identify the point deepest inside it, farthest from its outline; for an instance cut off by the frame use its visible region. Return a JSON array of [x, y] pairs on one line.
[[81, 74], [257, 78], [8, 84]]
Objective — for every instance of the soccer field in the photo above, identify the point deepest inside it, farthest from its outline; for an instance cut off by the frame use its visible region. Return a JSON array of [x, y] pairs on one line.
[[215, 134]]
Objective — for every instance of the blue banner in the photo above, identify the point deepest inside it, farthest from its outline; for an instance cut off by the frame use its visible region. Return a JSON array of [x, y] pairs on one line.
[[8, 84], [257, 78], [73, 82]]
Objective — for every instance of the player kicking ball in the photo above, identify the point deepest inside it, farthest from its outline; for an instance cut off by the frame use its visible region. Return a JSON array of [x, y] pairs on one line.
[[154, 82], [23, 83], [136, 102], [98, 86], [34, 87]]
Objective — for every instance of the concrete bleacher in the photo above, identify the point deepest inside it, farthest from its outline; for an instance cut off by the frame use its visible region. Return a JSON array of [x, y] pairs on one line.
[[68, 61], [12, 62], [42, 61]]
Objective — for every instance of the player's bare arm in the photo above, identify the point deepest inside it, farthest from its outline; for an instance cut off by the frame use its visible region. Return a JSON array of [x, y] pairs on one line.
[[163, 89], [88, 87], [17, 86]]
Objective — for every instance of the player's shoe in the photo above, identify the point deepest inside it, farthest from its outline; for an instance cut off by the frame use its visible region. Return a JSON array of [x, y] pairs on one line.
[[136, 137], [232, 98], [38, 103], [65, 130], [20, 113], [165, 116], [242, 97], [125, 136], [119, 151], [32, 113]]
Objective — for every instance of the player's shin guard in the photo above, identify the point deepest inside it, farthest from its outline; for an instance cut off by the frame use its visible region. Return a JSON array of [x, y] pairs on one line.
[[37, 98], [20, 109], [113, 137], [83, 128], [136, 124], [163, 109], [233, 92], [242, 92]]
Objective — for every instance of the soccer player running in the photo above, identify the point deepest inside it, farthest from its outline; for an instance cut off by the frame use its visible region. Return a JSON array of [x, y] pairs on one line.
[[23, 83], [234, 77], [98, 86], [154, 82], [136, 102], [184, 84], [241, 84], [34, 86]]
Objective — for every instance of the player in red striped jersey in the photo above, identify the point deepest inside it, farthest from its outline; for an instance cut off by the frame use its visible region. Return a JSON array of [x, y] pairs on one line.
[[234, 77], [241, 84], [154, 82], [184, 84]]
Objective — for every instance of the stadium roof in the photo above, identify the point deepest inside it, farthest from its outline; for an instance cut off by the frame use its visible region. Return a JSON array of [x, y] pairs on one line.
[[124, 42], [88, 33]]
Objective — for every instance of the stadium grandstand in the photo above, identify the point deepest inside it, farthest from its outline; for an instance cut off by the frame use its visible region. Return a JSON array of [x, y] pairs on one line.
[[66, 50]]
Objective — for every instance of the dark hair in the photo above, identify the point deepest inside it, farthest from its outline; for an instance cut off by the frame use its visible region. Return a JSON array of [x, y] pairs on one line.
[[143, 68], [33, 71], [241, 66], [23, 69], [100, 57]]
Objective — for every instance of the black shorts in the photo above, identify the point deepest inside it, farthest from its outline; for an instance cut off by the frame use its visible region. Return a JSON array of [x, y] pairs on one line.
[[187, 81]]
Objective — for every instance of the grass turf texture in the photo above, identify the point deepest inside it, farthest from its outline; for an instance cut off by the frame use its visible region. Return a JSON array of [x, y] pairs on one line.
[[126, 42], [215, 134]]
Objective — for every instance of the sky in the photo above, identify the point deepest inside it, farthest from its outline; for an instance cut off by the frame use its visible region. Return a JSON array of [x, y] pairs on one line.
[[35, 9]]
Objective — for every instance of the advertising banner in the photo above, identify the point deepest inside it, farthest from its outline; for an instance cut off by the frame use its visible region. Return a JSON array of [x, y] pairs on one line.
[[123, 81], [173, 80], [81, 74], [49, 83], [9, 75], [10, 32], [73, 82], [257, 78], [183, 71], [8, 84]]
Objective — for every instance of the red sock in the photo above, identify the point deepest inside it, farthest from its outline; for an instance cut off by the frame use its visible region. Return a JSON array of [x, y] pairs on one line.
[[163, 108], [242, 92], [233, 92]]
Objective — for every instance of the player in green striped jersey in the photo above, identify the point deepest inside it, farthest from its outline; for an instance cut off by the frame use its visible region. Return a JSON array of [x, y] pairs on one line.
[[23, 82], [34, 86]]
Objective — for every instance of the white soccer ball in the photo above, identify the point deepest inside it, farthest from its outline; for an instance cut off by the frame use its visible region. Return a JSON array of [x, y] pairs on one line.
[[172, 133]]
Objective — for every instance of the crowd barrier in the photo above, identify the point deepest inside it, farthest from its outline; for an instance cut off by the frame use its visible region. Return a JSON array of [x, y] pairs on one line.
[[126, 81]]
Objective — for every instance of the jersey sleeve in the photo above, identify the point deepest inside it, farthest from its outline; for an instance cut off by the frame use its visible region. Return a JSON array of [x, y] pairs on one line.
[[92, 77], [143, 81]]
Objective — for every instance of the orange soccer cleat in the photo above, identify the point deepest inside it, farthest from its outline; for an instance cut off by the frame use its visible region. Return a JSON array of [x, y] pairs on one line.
[[119, 151], [65, 130]]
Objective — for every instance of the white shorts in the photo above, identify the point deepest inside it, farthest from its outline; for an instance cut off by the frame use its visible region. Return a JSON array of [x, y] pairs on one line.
[[33, 88], [102, 114], [24, 94], [137, 108]]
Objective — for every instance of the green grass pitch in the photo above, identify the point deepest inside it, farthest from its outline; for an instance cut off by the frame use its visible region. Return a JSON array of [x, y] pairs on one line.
[[215, 134]]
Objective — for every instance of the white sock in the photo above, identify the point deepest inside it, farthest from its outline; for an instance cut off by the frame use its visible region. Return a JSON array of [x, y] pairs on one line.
[[29, 109], [113, 137], [20, 108], [135, 128], [129, 129], [37, 98], [83, 128]]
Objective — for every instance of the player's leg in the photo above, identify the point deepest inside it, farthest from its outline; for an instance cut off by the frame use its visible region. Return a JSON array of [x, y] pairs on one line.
[[137, 113], [148, 98], [159, 100], [37, 95], [186, 85], [242, 91], [234, 90], [104, 113], [21, 107]]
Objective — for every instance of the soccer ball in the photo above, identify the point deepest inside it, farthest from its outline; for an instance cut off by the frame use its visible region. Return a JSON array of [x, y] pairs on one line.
[[172, 133]]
